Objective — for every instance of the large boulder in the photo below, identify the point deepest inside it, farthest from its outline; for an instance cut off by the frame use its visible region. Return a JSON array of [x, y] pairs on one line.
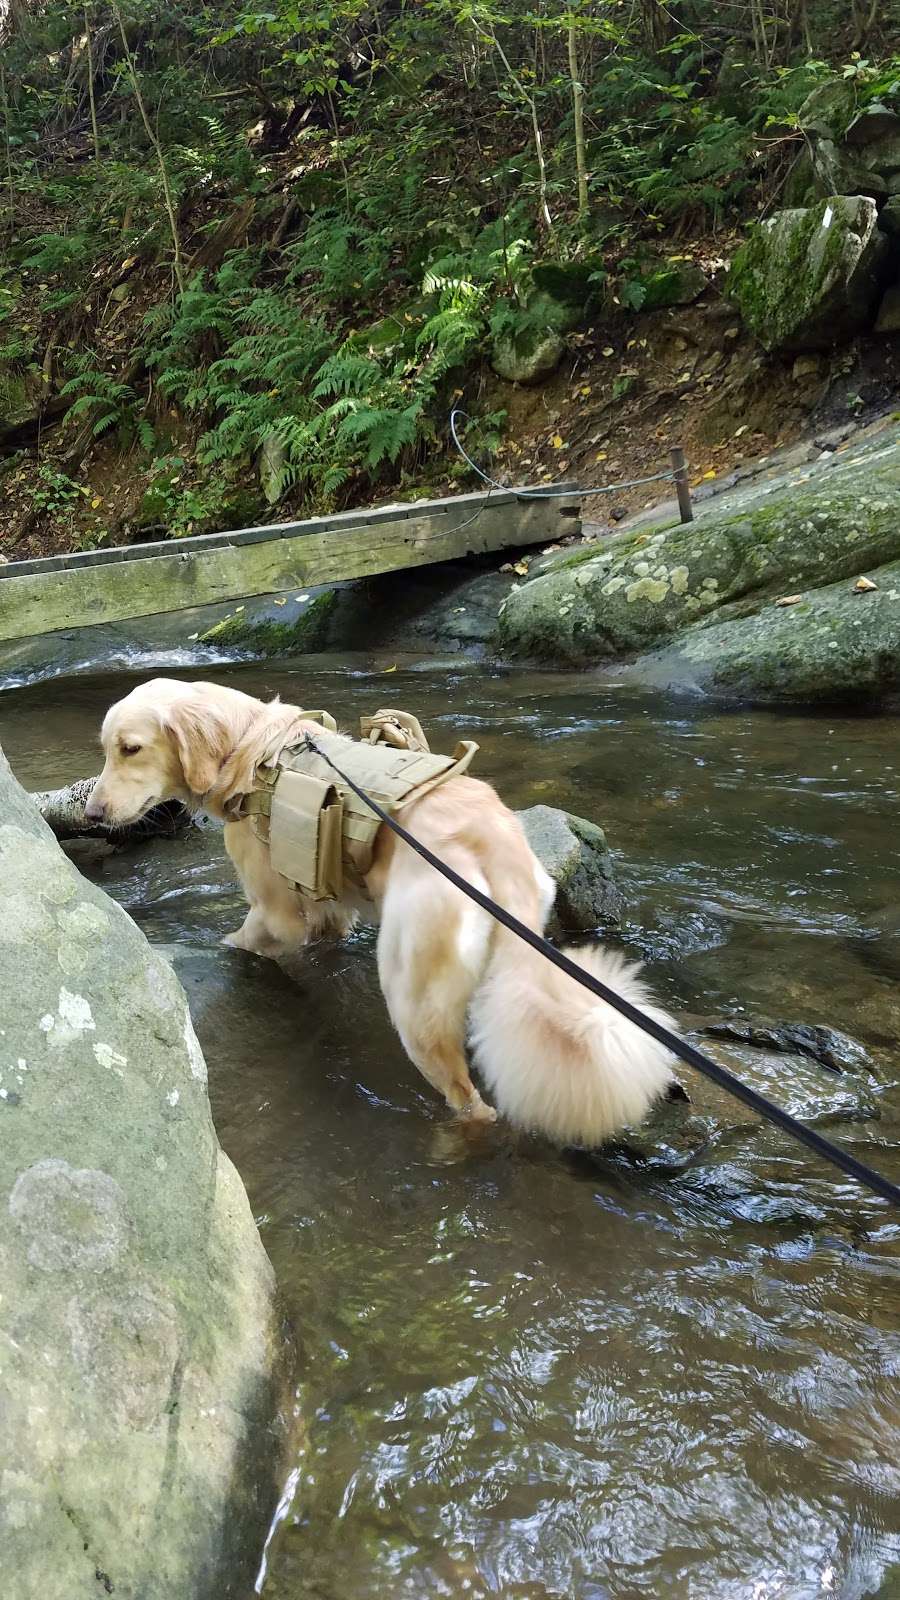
[[141, 1347], [637, 590], [836, 644], [809, 278], [575, 853]]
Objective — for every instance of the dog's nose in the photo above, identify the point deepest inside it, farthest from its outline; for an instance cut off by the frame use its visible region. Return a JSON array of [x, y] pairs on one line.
[[95, 810]]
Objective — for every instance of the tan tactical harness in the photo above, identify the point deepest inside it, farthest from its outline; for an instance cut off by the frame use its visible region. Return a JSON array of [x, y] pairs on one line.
[[318, 831]]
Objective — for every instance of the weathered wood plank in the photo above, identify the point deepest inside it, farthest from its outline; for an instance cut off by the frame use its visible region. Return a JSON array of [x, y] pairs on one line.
[[349, 546]]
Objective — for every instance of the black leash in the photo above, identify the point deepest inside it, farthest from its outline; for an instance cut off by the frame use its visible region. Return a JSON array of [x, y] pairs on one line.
[[726, 1080]]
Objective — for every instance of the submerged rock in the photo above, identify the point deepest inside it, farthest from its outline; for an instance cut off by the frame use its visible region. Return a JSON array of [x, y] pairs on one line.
[[807, 279], [831, 1048], [141, 1345], [576, 855], [709, 1126]]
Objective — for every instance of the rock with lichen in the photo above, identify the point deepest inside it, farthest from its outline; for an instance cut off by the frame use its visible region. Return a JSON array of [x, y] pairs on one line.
[[139, 1386], [703, 607]]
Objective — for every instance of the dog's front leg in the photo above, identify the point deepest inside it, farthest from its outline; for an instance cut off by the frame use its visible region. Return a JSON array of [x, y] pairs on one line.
[[276, 922]]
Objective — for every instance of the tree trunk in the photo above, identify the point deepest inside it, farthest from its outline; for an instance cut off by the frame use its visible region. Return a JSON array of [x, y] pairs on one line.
[[89, 46], [157, 149], [578, 109]]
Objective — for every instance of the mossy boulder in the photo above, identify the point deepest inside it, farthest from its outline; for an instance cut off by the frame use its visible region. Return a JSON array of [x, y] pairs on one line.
[[641, 588], [529, 345], [638, 590], [829, 108], [575, 853], [806, 279], [571, 283], [668, 281], [294, 626]]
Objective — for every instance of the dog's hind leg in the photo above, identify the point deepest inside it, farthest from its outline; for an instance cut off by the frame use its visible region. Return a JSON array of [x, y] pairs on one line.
[[432, 950]]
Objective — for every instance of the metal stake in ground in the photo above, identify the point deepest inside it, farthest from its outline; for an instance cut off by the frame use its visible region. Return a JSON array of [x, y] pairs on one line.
[[682, 485]]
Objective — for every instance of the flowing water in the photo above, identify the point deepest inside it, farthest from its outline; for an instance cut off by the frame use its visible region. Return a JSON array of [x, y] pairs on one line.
[[523, 1375]]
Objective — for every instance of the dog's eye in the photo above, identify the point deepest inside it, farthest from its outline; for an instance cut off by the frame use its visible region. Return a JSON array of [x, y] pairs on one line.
[[130, 749]]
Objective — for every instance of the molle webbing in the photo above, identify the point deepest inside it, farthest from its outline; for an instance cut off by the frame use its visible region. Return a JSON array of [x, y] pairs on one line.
[[318, 831]]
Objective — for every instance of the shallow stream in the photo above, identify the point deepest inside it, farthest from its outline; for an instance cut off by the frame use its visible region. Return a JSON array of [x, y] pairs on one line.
[[526, 1375]]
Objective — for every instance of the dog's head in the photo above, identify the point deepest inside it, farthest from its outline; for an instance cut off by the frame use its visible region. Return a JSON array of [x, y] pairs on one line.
[[165, 741]]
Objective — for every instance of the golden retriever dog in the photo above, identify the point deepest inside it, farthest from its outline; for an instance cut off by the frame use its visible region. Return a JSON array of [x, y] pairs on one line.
[[557, 1061]]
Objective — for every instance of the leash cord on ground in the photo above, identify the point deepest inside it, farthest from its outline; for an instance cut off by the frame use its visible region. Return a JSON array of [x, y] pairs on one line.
[[551, 491], [704, 1064]]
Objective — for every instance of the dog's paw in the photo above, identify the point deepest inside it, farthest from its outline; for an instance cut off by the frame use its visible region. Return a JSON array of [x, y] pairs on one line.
[[476, 1110]]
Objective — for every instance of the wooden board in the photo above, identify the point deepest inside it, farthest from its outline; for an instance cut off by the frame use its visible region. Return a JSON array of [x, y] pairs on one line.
[[111, 586]]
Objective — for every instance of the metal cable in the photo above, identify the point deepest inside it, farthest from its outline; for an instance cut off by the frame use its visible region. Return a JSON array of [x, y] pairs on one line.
[[551, 492], [834, 1153]]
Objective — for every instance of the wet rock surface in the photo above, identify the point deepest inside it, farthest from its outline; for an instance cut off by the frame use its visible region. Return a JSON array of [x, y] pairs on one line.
[[142, 1348], [575, 853]]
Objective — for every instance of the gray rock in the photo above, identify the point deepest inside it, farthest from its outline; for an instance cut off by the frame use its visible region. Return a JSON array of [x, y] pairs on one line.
[[828, 109], [807, 279], [141, 1348], [833, 646], [529, 357], [888, 319], [842, 171], [575, 854], [889, 218], [873, 124], [636, 590], [536, 348], [831, 1048]]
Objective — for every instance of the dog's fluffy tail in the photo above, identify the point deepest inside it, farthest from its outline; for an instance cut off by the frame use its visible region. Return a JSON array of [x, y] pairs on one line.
[[558, 1061]]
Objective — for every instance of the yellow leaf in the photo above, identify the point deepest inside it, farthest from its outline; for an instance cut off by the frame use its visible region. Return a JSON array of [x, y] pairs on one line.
[[391, 669], [280, 602], [521, 567], [97, 501], [556, 441], [601, 455], [710, 474], [586, 389], [608, 350]]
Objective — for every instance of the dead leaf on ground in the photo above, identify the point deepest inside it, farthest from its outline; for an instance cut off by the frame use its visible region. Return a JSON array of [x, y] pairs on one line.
[[863, 585], [789, 600]]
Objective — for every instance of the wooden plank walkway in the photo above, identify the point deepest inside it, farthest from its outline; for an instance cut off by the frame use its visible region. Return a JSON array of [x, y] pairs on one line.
[[142, 580]]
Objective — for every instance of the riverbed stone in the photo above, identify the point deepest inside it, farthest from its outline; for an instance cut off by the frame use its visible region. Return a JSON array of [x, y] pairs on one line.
[[139, 1383], [279, 626], [809, 278], [711, 1126], [576, 855]]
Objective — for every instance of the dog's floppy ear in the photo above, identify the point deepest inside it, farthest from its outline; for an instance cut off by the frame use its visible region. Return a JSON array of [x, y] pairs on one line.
[[203, 738]]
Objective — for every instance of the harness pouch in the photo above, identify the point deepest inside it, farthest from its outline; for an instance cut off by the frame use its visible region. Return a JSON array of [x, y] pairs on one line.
[[305, 834]]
